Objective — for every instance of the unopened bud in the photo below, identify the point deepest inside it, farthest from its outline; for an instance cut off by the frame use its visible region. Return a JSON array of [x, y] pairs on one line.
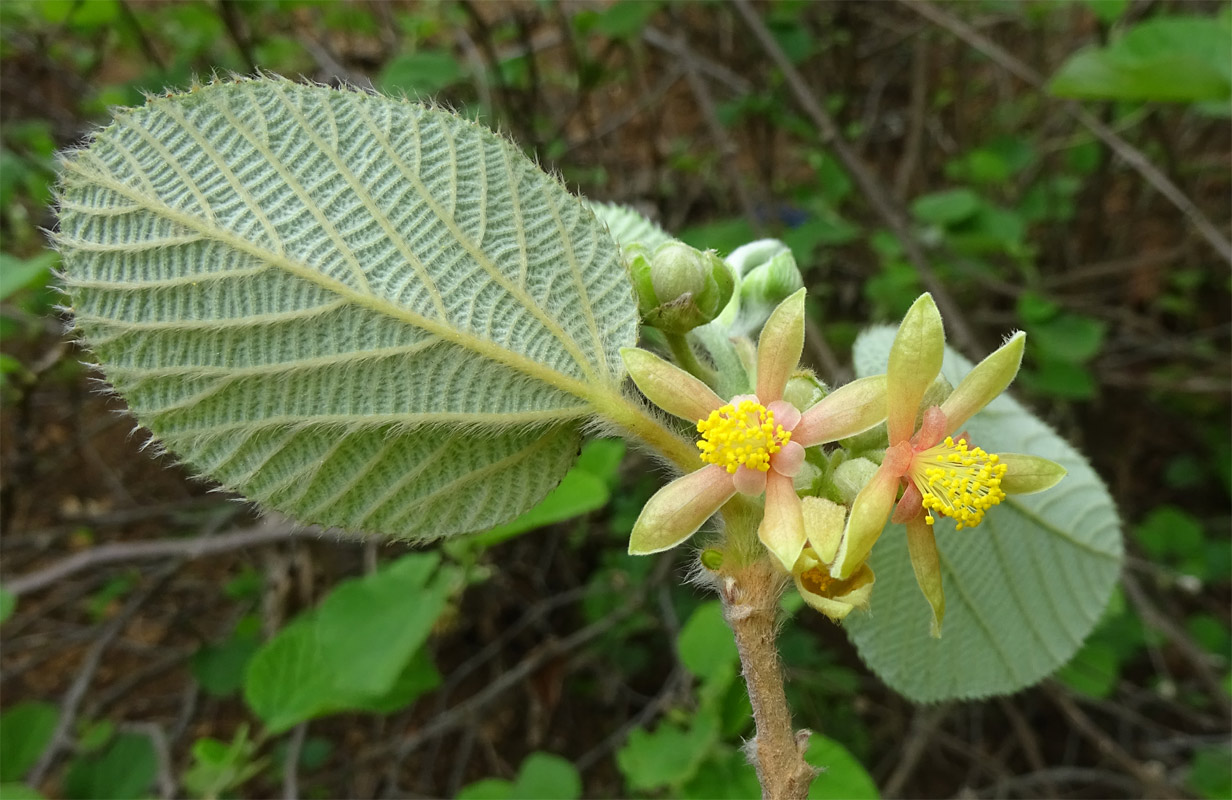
[[804, 390], [768, 275], [851, 476], [678, 287]]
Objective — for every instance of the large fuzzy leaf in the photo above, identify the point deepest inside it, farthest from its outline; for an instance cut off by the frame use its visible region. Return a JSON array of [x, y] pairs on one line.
[[360, 311], [1023, 590]]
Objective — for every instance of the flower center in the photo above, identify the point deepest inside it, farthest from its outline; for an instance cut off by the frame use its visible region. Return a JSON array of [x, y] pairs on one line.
[[742, 434], [958, 482]]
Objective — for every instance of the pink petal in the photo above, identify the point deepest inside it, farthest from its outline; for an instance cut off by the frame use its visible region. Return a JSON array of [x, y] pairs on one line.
[[677, 510], [909, 507], [785, 414], [789, 460], [749, 481]]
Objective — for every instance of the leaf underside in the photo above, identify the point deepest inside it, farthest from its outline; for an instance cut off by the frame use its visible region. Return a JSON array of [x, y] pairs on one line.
[[1023, 590], [359, 311]]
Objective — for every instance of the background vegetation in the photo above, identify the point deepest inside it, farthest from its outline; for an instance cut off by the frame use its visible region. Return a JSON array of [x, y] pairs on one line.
[[897, 148]]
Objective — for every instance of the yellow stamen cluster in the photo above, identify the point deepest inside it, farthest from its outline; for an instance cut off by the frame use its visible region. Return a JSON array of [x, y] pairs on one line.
[[958, 482], [744, 434]]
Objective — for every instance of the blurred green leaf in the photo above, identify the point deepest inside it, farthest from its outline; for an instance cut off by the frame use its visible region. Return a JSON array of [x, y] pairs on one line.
[[705, 644], [543, 776], [724, 235], [1059, 379], [844, 778], [21, 273], [725, 775], [355, 650], [1093, 671], [219, 668], [25, 730], [1170, 59], [947, 207], [8, 604], [18, 791], [1108, 11], [1210, 773], [668, 756], [1072, 338], [420, 74], [125, 771], [220, 767]]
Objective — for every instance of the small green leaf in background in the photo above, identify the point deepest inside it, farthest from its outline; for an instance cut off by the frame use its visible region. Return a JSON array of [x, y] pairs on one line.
[[125, 771], [25, 730], [219, 668], [18, 791], [1210, 774], [420, 74], [1174, 537], [668, 756], [94, 735], [543, 776], [1108, 11], [1169, 59], [705, 644], [724, 235], [947, 207], [844, 778], [17, 273], [726, 775], [357, 649], [219, 767], [8, 604]]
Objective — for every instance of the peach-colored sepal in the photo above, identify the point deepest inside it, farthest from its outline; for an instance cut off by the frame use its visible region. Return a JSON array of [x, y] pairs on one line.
[[677, 510]]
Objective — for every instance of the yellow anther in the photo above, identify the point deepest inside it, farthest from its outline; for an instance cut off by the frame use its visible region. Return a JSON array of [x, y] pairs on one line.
[[746, 435], [959, 482]]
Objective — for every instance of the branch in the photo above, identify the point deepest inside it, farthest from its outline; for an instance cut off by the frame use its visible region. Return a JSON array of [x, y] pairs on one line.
[[1130, 154], [882, 204], [270, 530]]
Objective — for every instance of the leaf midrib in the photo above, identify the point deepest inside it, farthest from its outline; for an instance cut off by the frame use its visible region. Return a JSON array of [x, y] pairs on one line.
[[481, 347]]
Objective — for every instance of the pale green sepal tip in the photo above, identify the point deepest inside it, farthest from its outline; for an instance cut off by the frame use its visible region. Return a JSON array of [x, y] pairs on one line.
[[669, 387], [1027, 474], [779, 347], [984, 382], [926, 564], [914, 363]]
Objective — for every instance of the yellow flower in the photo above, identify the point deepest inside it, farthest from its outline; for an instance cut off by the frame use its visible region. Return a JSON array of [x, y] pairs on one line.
[[752, 443], [939, 472]]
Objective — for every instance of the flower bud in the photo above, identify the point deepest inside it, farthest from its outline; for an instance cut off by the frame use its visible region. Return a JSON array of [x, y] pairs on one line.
[[804, 390], [678, 287], [851, 476], [768, 275]]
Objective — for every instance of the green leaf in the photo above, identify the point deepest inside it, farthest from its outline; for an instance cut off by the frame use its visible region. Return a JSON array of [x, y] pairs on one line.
[[1094, 670], [725, 775], [418, 74], [1210, 773], [546, 777], [8, 604], [706, 646], [669, 756], [1108, 11], [354, 651], [18, 791], [1067, 337], [844, 778], [1023, 590], [17, 273], [543, 776], [219, 767], [628, 226], [945, 208], [25, 730], [219, 668], [1170, 59], [125, 771], [359, 311]]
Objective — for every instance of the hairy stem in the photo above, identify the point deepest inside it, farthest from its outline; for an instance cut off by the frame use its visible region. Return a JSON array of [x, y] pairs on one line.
[[686, 358], [750, 596], [635, 419]]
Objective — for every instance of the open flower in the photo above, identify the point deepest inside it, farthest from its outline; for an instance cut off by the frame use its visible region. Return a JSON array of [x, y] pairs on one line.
[[941, 473], [752, 443]]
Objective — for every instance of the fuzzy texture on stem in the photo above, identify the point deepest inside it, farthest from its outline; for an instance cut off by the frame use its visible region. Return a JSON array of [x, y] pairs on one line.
[[750, 595]]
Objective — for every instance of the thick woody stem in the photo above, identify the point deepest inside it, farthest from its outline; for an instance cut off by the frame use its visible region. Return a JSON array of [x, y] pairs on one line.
[[750, 597]]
